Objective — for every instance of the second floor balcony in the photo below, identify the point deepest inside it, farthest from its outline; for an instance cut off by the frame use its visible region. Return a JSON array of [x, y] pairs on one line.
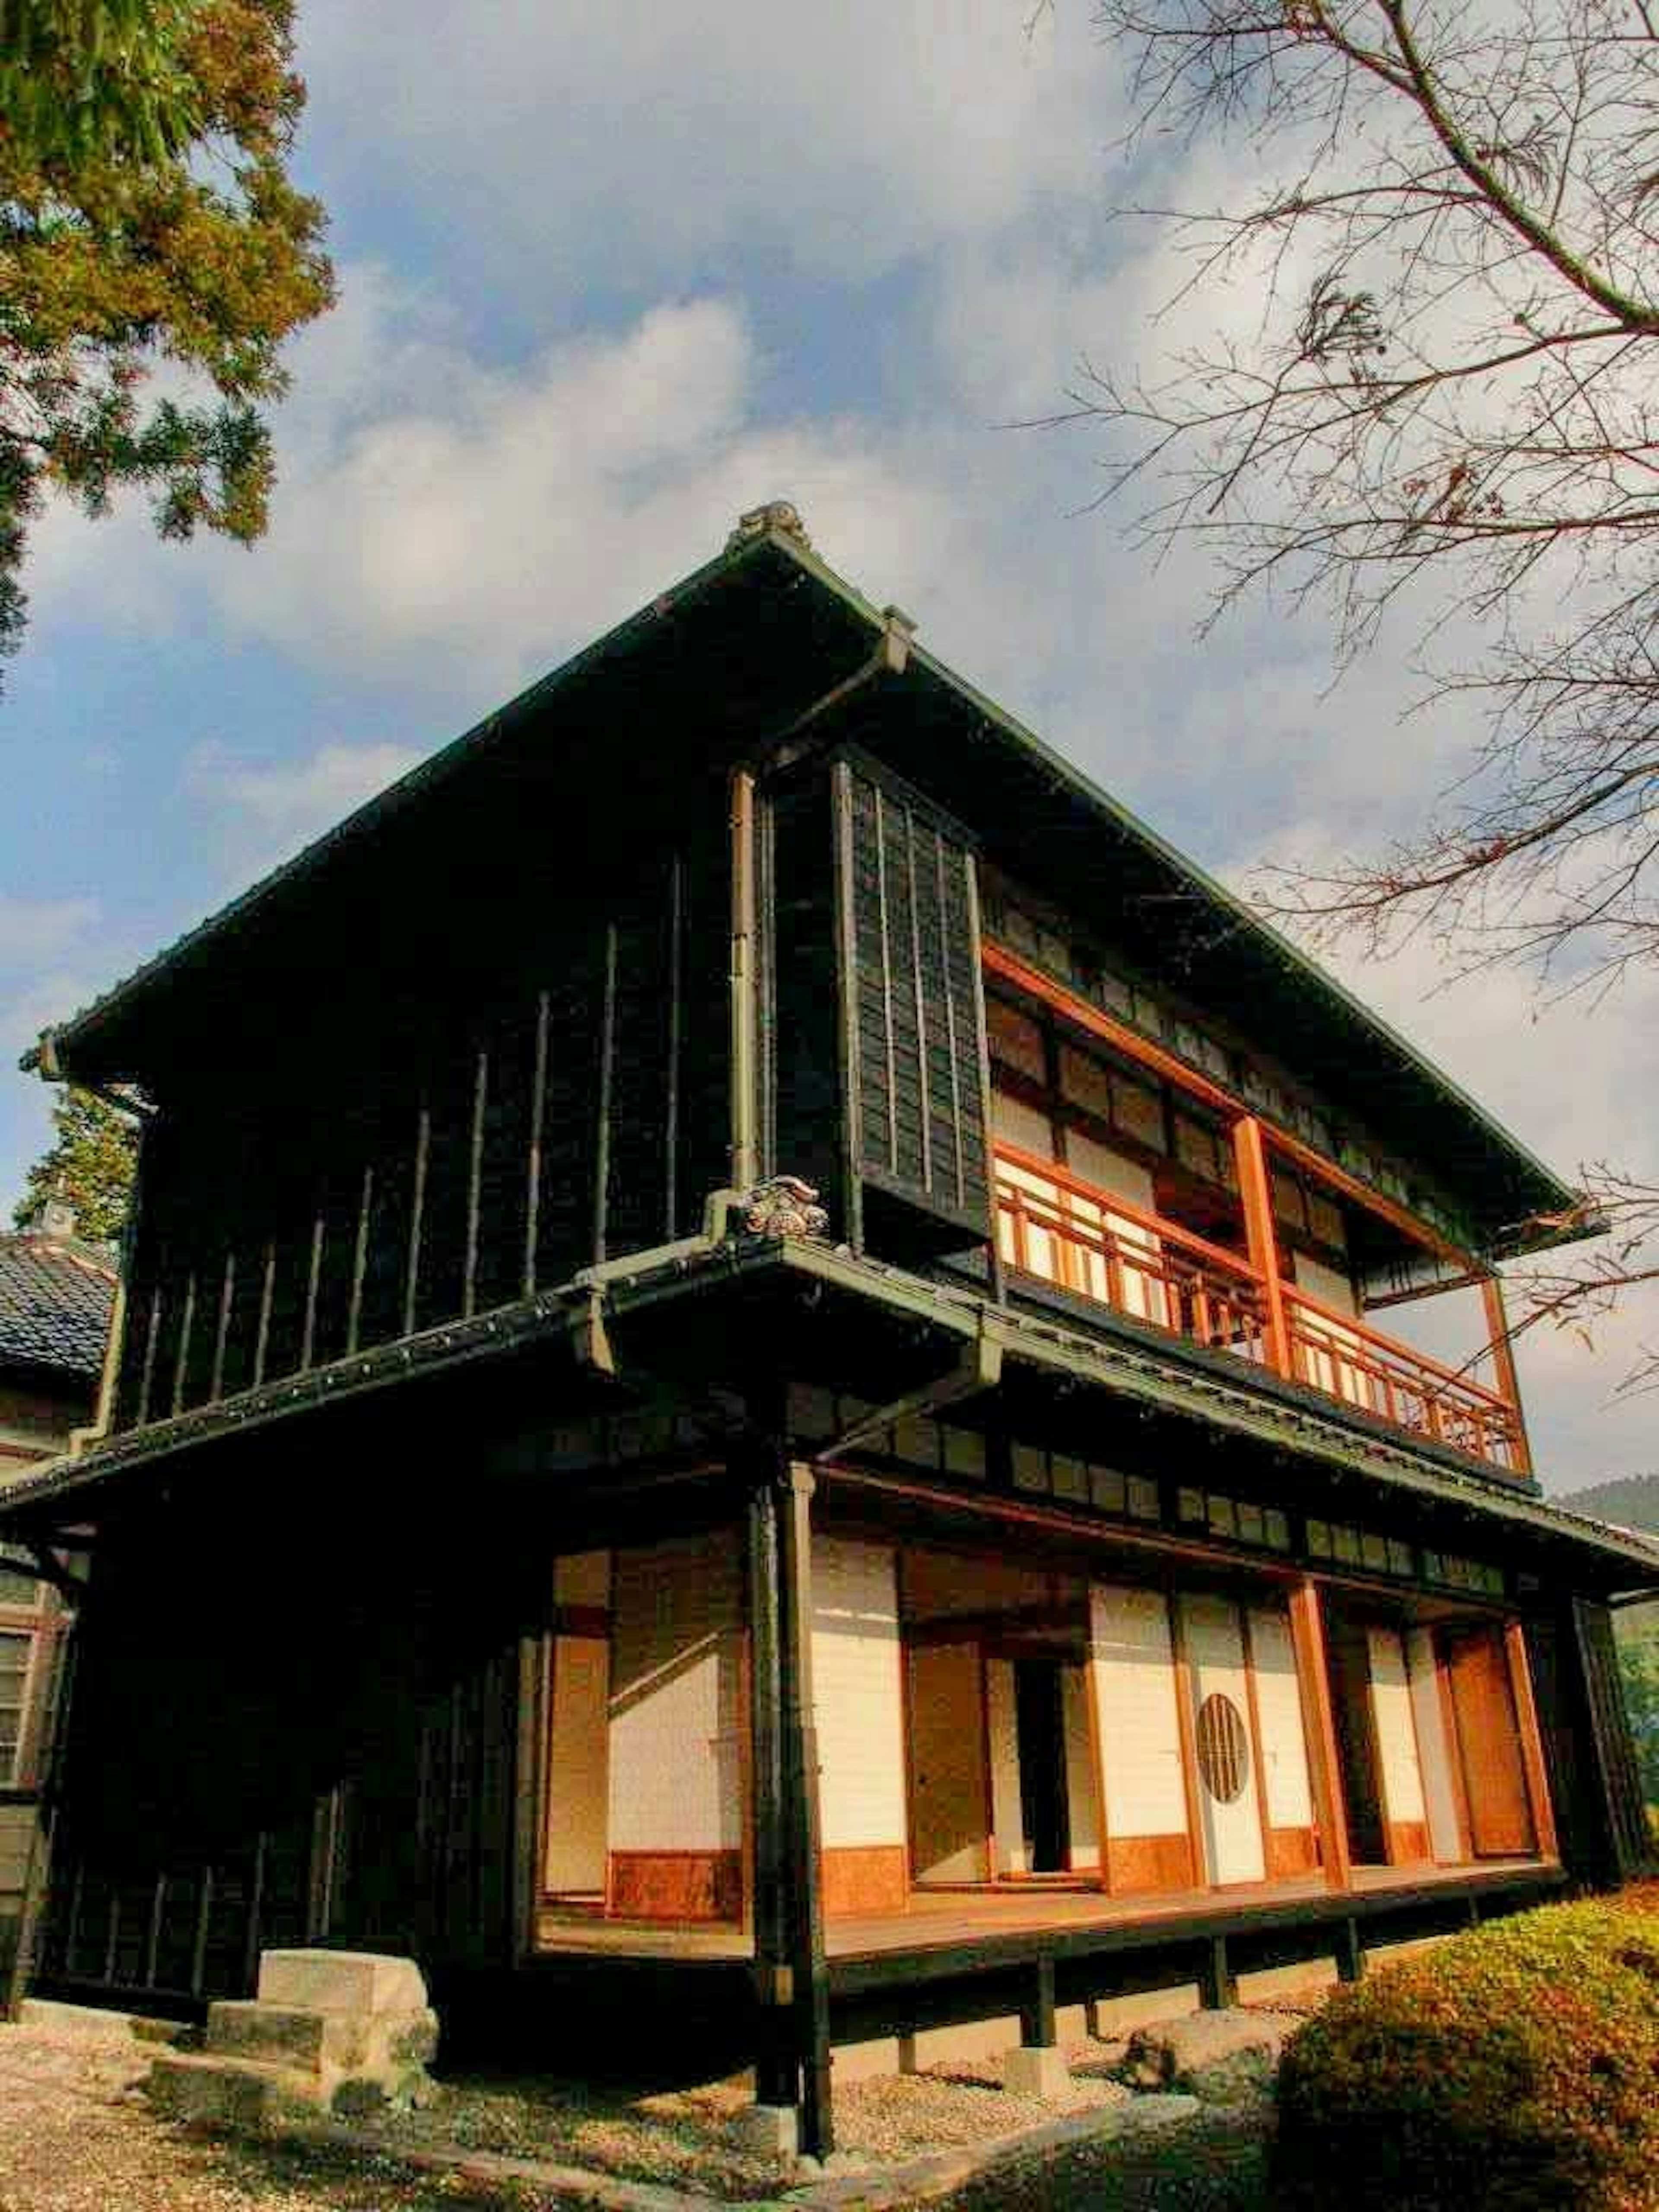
[[1059, 1229]]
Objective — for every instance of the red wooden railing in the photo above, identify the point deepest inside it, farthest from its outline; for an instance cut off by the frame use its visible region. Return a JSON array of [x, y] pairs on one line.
[[1069, 1232], [1052, 1225], [1337, 1354]]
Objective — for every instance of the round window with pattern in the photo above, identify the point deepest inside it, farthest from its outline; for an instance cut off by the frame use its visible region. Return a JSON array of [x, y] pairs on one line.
[[1224, 1749]]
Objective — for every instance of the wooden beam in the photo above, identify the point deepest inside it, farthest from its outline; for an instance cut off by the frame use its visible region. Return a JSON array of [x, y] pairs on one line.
[[1533, 1765], [1319, 1726], [1502, 1359], [1256, 1191]]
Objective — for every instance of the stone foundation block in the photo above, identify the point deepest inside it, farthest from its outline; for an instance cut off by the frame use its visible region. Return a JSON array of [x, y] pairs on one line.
[[341, 1981], [768, 2130], [1036, 2070]]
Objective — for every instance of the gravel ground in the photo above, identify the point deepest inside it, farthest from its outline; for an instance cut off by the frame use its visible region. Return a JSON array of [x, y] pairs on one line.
[[76, 2137], [687, 2138]]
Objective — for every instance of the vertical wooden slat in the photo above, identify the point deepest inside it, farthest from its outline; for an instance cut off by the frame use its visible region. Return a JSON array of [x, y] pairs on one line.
[[1256, 1191], [475, 1181], [147, 1373], [314, 1278], [1319, 1726], [256, 1899], [1533, 1765], [185, 1326], [360, 1258], [227, 1292], [676, 1022], [602, 1107], [198, 1947], [262, 1333], [533, 1160], [416, 1211]]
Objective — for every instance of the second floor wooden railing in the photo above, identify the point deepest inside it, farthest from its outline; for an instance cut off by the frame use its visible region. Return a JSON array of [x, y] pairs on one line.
[[1337, 1354], [1055, 1225]]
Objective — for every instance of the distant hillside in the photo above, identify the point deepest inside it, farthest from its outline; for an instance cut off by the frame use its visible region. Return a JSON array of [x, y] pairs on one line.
[[1632, 1501]]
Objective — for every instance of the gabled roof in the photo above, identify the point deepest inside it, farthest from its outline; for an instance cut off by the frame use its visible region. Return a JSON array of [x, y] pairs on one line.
[[713, 672], [56, 1296]]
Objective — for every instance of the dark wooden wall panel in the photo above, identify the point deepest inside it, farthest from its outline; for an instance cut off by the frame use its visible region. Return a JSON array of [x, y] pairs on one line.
[[876, 1059], [484, 1130], [291, 1725]]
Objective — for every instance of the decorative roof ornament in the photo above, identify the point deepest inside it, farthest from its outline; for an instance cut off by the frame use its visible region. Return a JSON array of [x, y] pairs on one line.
[[784, 1206], [781, 516]]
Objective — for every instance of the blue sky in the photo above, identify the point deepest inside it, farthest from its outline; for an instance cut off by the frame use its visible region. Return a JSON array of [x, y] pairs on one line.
[[610, 276]]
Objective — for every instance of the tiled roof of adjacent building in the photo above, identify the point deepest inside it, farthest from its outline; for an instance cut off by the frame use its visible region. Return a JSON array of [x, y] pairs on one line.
[[56, 1294]]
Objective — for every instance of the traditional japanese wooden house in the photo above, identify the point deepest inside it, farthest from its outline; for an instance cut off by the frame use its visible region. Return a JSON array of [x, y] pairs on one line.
[[751, 1383]]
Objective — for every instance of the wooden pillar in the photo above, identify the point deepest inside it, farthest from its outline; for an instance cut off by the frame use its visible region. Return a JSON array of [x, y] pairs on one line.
[[1533, 1765], [1319, 1726], [801, 1837], [1256, 1192], [791, 2059], [776, 2073], [1502, 1358]]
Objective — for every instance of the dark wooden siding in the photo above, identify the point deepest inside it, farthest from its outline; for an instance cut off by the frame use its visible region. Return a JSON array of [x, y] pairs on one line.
[[295, 1720], [477, 1134], [915, 987], [873, 1019]]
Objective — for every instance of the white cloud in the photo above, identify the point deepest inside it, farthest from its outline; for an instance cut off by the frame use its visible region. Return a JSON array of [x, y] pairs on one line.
[[627, 142]]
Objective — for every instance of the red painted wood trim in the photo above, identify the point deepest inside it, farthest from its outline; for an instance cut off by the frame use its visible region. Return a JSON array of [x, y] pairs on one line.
[[1262, 1239], [1319, 1726]]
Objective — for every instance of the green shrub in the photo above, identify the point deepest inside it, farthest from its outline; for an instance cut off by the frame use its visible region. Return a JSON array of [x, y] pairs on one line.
[[1514, 2070]]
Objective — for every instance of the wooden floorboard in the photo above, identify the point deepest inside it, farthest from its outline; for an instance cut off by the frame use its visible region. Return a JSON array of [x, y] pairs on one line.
[[944, 1919]]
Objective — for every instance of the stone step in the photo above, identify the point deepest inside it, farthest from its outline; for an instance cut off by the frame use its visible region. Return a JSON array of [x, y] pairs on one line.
[[281, 2035], [231, 2092], [98, 2024]]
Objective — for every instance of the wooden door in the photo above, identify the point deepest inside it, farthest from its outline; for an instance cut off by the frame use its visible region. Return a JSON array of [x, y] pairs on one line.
[[950, 1812], [1489, 1745], [1229, 1808]]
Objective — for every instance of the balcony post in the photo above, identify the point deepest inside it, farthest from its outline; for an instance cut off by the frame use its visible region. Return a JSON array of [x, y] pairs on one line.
[[1256, 1194], [1503, 1360]]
